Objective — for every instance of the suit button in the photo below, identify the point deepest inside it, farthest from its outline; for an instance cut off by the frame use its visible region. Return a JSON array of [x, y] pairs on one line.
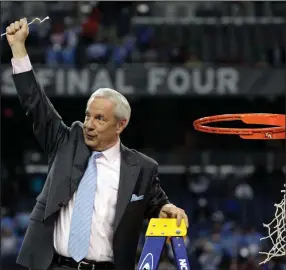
[[61, 204]]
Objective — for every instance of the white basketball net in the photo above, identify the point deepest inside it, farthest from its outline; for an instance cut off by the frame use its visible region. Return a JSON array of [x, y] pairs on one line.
[[277, 231]]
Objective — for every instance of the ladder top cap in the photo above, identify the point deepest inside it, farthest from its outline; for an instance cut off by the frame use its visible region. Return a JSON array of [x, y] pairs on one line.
[[166, 227]]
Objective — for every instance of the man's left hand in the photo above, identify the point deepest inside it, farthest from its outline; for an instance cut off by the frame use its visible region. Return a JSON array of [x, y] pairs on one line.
[[171, 211]]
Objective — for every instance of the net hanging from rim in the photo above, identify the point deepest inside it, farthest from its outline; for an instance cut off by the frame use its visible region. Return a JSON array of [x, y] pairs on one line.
[[277, 231], [277, 227]]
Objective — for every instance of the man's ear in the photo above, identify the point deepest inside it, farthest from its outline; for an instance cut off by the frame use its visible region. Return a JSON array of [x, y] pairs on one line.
[[121, 124]]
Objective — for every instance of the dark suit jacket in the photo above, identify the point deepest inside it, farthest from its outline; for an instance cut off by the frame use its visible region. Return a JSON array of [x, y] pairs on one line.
[[68, 156]]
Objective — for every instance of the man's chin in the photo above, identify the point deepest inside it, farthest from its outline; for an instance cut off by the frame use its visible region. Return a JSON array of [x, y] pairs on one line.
[[90, 143]]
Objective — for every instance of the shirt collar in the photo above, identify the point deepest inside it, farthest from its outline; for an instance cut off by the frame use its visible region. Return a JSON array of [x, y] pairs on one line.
[[111, 153]]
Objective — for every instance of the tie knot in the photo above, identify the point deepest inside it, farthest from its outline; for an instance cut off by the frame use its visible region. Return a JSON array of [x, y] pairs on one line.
[[96, 155]]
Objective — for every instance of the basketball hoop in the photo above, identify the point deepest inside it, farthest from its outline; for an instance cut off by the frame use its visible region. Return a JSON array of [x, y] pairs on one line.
[[277, 132], [277, 227]]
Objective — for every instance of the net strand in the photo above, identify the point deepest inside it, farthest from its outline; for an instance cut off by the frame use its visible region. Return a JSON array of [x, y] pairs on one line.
[[34, 20], [277, 231]]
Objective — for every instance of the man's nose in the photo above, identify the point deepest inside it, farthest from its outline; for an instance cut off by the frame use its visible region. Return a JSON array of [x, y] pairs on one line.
[[89, 124]]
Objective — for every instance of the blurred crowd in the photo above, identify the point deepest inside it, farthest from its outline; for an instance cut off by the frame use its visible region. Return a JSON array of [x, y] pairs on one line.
[[188, 33], [226, 204], [227, 186], [226, 216]]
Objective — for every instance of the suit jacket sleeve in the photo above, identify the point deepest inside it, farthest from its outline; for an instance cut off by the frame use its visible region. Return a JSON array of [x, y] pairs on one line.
[[156, 197], [48, 126]]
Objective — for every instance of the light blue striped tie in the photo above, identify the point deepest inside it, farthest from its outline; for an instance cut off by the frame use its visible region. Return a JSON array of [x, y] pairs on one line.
[[82, 212]]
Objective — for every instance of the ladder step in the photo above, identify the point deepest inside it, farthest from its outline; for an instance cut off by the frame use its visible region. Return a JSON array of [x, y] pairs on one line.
[[154, 244]]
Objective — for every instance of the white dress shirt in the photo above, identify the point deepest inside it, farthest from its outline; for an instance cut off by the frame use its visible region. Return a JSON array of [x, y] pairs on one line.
[[100, 249], [108, 171]]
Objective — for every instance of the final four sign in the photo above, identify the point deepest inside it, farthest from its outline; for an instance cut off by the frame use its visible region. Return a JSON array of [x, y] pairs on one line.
[[144, 79]]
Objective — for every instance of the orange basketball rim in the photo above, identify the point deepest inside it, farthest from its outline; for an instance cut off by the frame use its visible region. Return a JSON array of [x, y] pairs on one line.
[[275, 132]]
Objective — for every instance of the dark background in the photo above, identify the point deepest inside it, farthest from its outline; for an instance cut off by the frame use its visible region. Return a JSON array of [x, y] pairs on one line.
[[227, 185]]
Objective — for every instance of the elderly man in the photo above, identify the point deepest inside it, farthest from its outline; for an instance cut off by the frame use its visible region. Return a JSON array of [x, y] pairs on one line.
[[98, 192]]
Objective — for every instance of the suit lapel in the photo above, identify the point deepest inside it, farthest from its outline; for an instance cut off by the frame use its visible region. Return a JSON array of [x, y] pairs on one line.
[[80, 162], [70, 178], [129, 171]]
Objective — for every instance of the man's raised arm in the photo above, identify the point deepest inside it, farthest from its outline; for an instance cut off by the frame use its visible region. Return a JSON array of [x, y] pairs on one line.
[[48, 126]]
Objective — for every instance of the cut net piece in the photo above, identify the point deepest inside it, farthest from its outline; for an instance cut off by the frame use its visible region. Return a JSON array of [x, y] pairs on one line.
[[277, 231]]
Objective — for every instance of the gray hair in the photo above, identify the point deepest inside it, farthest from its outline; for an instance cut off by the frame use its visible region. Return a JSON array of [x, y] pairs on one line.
[[122, 108]]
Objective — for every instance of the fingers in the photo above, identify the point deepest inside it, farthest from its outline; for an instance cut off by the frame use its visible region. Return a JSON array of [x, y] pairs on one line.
[[9, 30], [25, 24], [16, 26], [182, 216], [179, 214], [163, 215], [21, 22], [185, 217], [179, 219], [174, 212]]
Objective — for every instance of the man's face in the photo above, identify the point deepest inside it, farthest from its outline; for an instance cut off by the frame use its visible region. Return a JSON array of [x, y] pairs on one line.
[[101, 127]]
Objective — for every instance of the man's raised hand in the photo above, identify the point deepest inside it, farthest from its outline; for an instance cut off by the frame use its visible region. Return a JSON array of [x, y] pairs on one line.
[[17, 33]]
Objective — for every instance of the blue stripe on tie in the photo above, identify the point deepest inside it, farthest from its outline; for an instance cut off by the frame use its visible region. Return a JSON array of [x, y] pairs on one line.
[[82, 212]]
